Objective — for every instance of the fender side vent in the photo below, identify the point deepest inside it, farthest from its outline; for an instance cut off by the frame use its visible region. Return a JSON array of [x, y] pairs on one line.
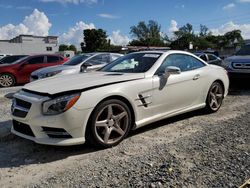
[[143, 101]]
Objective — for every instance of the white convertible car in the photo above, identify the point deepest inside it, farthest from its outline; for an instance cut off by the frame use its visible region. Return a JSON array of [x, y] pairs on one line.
[[103, 106]]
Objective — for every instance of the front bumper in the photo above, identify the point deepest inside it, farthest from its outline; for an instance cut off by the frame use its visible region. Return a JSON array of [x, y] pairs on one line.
[[73, 122]]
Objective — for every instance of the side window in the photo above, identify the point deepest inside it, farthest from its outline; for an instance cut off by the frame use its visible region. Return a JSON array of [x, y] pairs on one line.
[[36, 60], [212, 57], [204, 57], [114, 57], [182, 61], [52, 59], [99, 59]]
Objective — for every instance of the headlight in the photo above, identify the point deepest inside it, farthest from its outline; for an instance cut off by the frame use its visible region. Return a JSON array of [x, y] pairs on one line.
[[60, 104], [49, 74]]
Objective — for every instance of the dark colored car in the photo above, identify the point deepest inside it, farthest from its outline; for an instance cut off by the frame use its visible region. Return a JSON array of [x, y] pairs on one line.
[[11, 59], [209, 58], [19, 71], [238, 65]]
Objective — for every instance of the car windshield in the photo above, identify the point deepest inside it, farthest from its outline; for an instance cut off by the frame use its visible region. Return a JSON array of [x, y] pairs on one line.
[[245, 50], [77, 59], [19, 60], [11, 59], [132, 63]]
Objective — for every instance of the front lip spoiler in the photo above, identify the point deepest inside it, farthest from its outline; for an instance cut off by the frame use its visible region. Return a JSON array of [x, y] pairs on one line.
[[76, 90]]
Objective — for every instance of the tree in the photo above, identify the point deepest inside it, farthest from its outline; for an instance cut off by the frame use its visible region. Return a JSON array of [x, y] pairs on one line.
[[204, 31], [147, 34], [183, 37], [94, 40], [233, 38], [63, 47], [72, 48]]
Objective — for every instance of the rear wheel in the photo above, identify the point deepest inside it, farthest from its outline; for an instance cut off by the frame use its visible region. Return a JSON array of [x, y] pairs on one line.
[[109, 124], [215, 97], [7, 80]]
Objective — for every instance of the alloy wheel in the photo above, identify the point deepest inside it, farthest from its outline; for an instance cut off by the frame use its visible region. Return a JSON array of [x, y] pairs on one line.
[[6, 80], [111, 124], [215, 97]]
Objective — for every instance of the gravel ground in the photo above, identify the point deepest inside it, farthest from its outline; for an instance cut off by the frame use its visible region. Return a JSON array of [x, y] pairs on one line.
[[191, 150]]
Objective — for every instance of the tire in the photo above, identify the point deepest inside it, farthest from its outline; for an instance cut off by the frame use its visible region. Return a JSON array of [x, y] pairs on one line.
[[109, 124], [7, 80], [215, 97]]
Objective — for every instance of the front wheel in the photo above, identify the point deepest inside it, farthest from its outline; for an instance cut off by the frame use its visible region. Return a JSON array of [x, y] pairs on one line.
[[214, 97], [6, 80], [109, 124]]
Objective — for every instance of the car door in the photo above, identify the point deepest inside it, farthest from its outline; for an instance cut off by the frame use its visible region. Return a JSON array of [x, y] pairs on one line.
[[52, 60], [30, 66], [98, 61], [179, 91]]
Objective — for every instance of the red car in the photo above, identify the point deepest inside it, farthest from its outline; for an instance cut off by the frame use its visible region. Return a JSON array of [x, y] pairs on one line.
[[18, 72]]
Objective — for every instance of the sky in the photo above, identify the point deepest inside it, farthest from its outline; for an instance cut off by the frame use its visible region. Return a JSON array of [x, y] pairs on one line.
[[68, 18]]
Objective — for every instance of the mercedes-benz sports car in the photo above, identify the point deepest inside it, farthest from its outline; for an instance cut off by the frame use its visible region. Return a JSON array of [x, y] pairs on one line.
[[102, 107]]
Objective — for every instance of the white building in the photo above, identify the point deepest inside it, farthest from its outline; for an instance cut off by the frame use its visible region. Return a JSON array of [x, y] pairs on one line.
[[29, 44]]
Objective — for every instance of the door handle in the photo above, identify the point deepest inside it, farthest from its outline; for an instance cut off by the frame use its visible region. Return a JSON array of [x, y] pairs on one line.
[[196, 77]]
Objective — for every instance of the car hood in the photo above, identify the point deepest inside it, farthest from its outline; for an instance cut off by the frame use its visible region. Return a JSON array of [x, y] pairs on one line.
[[239, 58], [52, 69], [79, 82], [4, 65]]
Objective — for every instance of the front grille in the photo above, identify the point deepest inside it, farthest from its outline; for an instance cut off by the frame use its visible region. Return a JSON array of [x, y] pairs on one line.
[[20, 108], [19, 113], [22, 128], [239, 65], [23, 104], [56, 132]]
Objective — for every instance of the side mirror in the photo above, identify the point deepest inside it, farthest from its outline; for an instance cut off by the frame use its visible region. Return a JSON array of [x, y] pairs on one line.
[[85, 65], [172, 70]]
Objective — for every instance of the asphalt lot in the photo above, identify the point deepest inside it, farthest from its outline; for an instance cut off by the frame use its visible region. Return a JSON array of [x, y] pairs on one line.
[[191, 150]]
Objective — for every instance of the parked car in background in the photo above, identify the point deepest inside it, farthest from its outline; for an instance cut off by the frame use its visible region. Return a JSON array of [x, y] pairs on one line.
[[102, 107], [79, 63], [239, 63], [11, 59], [19, 71], [209, 58], [3, 55]]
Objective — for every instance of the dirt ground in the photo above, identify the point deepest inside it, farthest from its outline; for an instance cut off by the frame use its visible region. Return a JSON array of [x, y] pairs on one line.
[[191, 150]]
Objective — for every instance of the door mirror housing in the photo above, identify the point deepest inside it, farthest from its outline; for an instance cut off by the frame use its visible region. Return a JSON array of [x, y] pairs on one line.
[[172, 70], [85, 65]]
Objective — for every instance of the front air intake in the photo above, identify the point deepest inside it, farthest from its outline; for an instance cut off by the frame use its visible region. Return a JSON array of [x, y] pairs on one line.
[[56, 132]]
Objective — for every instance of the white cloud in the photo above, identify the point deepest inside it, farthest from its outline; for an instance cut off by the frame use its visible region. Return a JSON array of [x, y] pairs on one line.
[[109, 16], [118, 39], [173, 26], [75, 34], [70, 1], [245, 29], [35, 24], [229, 6]]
